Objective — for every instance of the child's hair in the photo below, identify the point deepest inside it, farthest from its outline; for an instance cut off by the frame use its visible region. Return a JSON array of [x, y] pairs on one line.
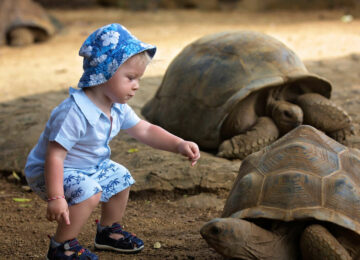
[[143, 57]]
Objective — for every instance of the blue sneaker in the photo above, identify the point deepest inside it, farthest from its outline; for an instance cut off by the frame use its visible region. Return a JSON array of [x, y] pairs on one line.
[[81, 253], [129, 244]]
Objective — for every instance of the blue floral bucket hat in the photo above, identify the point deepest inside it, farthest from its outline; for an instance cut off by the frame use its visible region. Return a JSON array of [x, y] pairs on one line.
[[105, 50]]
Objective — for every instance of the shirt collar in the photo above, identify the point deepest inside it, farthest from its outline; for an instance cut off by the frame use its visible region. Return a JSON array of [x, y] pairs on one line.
[[91, 112]]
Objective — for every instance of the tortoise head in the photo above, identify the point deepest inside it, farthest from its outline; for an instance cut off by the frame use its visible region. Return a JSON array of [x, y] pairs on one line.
[[224, 235], [234, 237], [285, 114]]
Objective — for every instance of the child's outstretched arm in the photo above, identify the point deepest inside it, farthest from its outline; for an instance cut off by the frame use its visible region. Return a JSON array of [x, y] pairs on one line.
[[159, 138], [54, 164]]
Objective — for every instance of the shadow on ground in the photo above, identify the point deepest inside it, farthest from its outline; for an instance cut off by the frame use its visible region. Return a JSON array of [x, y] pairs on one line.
[[170, 201]]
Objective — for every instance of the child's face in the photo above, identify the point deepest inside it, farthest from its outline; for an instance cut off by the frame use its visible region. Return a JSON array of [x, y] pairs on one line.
[[124, 83]]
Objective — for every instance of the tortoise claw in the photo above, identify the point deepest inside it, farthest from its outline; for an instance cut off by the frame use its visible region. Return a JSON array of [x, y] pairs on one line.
[[225, 150]]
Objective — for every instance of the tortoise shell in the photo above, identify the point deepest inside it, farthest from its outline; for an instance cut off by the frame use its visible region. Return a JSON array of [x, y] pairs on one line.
[[303, 175], [24, 13], [211, 75]]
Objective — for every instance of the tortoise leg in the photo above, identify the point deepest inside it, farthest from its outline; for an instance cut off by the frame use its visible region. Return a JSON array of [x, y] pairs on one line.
[[263, 133], [317, 243], [326, 116], [348, 239], [20, 37]]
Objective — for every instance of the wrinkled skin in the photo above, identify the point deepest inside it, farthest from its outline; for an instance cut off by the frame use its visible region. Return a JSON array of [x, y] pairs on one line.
[[241, 239], [265, 116], [244, 240]]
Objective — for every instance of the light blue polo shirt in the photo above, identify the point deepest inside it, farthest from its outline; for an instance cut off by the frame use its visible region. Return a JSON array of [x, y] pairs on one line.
[[83, 130]]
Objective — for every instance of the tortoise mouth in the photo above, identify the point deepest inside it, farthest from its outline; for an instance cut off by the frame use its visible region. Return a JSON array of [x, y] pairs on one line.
[[211, 231]]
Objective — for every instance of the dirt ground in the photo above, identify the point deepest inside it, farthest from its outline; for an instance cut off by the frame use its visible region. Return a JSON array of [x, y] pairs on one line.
[[329, 47]]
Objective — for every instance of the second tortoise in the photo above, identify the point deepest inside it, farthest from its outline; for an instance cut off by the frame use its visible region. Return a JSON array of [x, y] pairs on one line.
[[298, 198]]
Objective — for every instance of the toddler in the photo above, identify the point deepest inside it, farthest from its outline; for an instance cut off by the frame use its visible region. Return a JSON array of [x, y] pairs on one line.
[[70, 166]]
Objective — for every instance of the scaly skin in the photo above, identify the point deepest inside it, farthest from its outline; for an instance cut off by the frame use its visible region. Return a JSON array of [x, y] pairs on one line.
[[256, 122], [241, 239], [326, 116], [317, 243], [263, 133], [318, 111]]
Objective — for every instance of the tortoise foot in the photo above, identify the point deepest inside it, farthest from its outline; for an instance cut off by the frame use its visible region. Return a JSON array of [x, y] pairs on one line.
[[231, 149], [343, 135], [263, 133]]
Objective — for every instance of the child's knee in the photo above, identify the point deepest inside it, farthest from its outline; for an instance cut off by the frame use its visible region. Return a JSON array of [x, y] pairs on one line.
[[95, 199]]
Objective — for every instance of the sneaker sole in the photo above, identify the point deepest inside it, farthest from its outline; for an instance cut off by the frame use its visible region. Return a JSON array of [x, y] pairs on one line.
[[127, 251]]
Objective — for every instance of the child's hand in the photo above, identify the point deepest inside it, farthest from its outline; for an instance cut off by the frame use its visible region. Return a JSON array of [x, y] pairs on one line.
[[58, 210], [190, 150]]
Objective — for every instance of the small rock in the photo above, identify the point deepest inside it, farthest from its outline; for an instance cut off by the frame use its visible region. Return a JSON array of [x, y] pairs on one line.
[[157, 245], [26, 188]]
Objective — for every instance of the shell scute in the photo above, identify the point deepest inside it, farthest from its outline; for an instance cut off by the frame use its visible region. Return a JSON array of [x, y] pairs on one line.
[[306, 175], [302, 156], [342, 194], [301, 190], [210, 76]]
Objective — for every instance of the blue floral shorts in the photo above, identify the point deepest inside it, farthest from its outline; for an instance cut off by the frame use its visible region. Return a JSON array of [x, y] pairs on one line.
[[108, 177]]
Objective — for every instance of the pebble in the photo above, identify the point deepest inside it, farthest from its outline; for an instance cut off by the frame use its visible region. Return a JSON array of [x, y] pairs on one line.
[[157, 245]]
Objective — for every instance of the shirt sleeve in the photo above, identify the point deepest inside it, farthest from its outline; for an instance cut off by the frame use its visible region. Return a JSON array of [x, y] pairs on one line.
[[66, 127], [130, 117]]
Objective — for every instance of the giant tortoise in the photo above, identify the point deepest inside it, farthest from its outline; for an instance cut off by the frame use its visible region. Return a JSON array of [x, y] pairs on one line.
[[298, 197], [240, 91], [24, 22]]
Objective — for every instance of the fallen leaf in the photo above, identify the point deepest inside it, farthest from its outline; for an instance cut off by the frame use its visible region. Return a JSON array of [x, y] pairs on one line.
[[16, 176], [21, 199], [133, 150]]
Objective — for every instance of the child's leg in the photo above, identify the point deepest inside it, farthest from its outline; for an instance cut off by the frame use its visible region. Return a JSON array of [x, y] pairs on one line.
[[113, 210], [110, 235], [116, 187], [78, 213]]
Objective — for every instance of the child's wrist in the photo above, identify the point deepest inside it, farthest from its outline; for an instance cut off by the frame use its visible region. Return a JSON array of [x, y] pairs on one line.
[[56, 198], [178, 145]]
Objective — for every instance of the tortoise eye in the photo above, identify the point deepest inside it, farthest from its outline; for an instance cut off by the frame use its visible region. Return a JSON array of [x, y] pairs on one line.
[[287, 114], [215, 230]]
